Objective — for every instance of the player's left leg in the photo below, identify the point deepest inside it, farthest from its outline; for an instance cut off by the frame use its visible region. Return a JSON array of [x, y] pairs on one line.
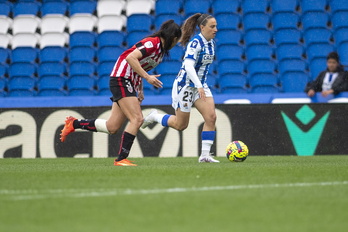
[[207, 110]]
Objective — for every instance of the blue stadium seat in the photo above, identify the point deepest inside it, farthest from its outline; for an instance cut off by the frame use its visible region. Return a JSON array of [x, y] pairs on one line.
[[25, 54], [263, 79], [55, 7], [196, 6], [82, 54], [265, 89], [281, 6], [135, 36], [176, 53], [340, 36], [338, 5], [257, 36], [4, 55], [294, 82], [257, 52], [318, 50], [230, 67], [315, 20], [164, 17], [22, 70], [169, 68], [229, 52], [110, 38], [225, 6], [228, 21], [82, 69], [285, 21], [342, 51], [287, 36], [82, 7], [23, 7], [6, 8], [3, 85], [261, 66], [339, 20], [106, 54], [52, 69], [82, 39], [292, 66], [103, 85], [233, 83], [22, 83], [53, 54], [139, 22], [81, 85], [256, 21], [3, 71], [104, 69], [51, 86], [317, 35], [167, 7], [212, 81], [316, 66], [251, 6], [228, 37], [290, 51], [313, 6]]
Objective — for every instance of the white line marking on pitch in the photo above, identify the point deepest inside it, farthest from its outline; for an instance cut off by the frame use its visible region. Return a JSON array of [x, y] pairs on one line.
[[30, 194]]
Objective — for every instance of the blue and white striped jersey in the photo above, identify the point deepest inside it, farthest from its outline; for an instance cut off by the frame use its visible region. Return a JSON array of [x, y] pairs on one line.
[[203, 52]]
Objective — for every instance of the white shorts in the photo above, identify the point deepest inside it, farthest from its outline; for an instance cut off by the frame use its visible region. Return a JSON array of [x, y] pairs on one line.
[[186, 97]]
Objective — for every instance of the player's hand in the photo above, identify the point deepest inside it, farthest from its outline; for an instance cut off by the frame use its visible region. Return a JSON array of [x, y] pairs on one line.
[[326, 93], [152, 79], [140, 96], [201, 93], [311, 93]]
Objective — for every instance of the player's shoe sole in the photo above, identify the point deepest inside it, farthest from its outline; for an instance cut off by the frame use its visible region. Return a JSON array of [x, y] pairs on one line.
[[148, 119], [68, 128], [124, 162]]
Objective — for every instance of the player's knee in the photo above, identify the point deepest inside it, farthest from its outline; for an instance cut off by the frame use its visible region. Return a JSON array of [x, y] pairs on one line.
[[181, 127]]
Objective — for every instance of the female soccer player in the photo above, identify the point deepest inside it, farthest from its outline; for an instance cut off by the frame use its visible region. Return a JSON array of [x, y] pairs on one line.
[[190, 85], [126, 87]]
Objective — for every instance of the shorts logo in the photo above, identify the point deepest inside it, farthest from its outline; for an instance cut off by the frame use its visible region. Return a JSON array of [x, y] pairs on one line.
[[148, 44], [129, 86]]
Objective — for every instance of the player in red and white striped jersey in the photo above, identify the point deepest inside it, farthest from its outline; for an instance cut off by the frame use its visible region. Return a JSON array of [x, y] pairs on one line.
[[126, 87]]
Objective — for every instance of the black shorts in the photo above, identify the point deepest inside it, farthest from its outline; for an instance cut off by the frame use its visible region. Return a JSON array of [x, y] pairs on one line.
[[120, 88]]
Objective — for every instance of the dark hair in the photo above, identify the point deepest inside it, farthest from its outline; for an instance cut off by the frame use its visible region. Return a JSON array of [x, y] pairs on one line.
[[190, 24], [333, 55], [169, 31]]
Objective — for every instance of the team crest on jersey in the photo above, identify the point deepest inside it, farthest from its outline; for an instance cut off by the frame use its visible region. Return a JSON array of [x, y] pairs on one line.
[[148, 44], [194, 44]]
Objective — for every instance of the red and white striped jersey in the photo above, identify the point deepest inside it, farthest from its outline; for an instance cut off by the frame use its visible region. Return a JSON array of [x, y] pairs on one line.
[[151, 49]]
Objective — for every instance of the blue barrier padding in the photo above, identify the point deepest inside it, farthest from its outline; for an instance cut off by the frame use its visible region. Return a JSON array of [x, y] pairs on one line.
[[91, 101]]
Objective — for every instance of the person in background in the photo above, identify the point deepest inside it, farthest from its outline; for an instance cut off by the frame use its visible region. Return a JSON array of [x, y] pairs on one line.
[[190, 87], [333, 80], [127, 91]]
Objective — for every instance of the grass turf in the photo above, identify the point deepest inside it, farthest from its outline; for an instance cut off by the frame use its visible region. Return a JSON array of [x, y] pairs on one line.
[[268, 193]]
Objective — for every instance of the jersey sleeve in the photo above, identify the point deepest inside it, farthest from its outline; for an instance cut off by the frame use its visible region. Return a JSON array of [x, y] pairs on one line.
[[192, 49], [147, 46]]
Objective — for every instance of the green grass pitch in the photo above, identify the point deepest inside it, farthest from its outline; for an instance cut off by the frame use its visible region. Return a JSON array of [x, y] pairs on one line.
[[263, 194]]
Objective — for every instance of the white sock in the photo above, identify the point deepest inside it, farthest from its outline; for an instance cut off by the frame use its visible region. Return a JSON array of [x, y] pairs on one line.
[[100, 125], [206, 145], [158, 118]]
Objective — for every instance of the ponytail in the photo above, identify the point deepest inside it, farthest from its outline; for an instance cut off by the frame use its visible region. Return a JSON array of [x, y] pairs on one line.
[[189, 26]]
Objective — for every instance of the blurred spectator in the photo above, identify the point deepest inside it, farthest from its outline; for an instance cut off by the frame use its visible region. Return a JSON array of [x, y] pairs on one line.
[[333, 80]]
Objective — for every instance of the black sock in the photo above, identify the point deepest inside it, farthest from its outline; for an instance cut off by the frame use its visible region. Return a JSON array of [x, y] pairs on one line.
[[126, 144], [85, 124]]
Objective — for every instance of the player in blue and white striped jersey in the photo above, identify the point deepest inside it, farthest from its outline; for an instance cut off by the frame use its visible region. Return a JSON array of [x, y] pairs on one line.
[[190, 87]]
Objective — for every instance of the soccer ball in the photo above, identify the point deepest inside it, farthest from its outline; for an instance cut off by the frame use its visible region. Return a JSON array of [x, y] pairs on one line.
[[237, 151]]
